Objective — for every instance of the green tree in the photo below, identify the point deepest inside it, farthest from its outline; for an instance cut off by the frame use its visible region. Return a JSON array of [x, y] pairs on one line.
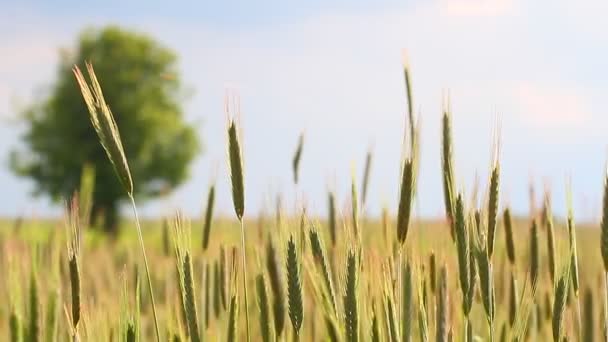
[[142, 87]]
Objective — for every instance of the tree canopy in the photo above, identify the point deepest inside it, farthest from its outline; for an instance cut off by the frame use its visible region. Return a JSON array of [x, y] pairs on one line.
[[141, 84]]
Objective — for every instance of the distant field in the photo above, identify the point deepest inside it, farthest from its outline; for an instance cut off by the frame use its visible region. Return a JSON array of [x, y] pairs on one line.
[[106, 263]]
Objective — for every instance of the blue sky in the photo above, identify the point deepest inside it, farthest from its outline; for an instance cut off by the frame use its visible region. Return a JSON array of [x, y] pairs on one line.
[[333, 70]]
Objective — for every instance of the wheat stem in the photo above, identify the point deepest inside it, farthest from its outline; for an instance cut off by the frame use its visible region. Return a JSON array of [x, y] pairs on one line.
[[244, 260], [143, 252], [606, 304]]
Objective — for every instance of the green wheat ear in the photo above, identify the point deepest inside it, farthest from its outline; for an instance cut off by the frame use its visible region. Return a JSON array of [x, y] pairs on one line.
[[332, 219], [510, 245], [513, 301], [276, 285], [74, 241], [107, 131], [16, 332], [405, 200], [185, 271], [34, 306], [407, 302], [462, 245], [233, 313], [423, 326], [534, 254], [493, 206], [447, 164], [366, 175], [294, 287], [296, 159], [236, 170], [559, 303], [208, 216], [104, 124], [318, 252], [263, 305], [550, 238], [351, 303]]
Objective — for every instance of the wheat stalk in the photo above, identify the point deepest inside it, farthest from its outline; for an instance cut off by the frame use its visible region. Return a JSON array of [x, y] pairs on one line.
[[375, 326], [390, 317], [588, 330], [109, 136], [550, 237], [441, 321], [207, 302], [33, 332], [184, 266], [407, 305], [104, 124], [422, 310], [276, 281], [238, 199], [51, 316], [217, 289]]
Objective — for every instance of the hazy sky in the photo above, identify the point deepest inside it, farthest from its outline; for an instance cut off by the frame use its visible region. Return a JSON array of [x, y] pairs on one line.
[[333, 69]]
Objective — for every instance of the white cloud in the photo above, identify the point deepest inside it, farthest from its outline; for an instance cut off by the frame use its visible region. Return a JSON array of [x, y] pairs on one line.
[[476, 8], [553, 107]]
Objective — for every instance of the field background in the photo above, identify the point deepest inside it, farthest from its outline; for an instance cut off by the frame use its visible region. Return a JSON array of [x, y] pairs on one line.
[[106, 261]]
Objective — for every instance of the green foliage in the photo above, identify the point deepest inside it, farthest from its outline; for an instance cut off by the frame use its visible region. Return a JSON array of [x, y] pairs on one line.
[[141, 85]]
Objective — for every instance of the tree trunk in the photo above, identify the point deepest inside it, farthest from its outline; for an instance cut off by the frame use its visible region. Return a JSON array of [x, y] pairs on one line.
[[105, 217]]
